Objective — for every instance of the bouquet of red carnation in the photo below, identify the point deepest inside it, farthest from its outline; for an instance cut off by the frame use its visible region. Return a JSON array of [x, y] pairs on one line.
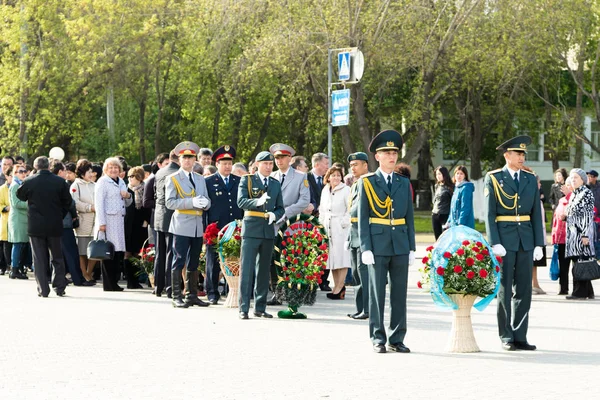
[[468, 270], [146, 259], [211, 234]]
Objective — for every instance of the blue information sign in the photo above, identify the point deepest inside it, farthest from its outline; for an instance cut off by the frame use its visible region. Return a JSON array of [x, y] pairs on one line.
[[344, 66], [340, 110]]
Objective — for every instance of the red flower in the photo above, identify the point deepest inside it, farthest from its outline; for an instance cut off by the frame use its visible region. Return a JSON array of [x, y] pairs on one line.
[[458, 269], [306, 252], [295, 261], [425, 259], [466, 242], [479, 257], [323, 247], [295, 235], [293, 269], [306, 233], [284, 252], [429, 248], [309, 226], [476, 249], [447, 255], [497, 268], [298, 275], [289, 258], [325, 257], [460, 252], [290, 240], [283, 243], [469, 261], [440, 270], [285, 268], [319, 281], [237, 237], [499, 259], [479, 244], [419, 285], [287, 278], [483, 273], [73, 190], [485, 252], [470, 275], [299, 244], [306, 263]]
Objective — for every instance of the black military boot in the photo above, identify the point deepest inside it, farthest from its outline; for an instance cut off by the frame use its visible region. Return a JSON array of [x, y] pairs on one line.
[[176, 287], [15, 273], [191, 283]]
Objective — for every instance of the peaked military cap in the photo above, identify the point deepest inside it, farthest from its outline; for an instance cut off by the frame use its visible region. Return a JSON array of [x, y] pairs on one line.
[[225, 152], [358, 156], [187, 149], [264, 156], [280, 149], [592, 172], [386, 140], [518, 143]]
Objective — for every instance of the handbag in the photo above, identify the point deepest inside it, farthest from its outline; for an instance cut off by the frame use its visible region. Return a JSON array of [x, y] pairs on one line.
[[554, 265], [586, 270], [100, 249]]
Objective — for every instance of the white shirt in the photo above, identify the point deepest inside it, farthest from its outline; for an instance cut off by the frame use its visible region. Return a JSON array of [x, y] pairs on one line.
[[262, 178], [513, 172], [385, 176]]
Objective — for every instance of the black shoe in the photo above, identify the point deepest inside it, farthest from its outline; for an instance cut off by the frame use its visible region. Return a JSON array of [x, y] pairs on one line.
[[353, 315], [134, 286], [398, 348], [195, 301], [574, 298], [379, 348], [325, 287], [42, 295], [341, 295], [213, 302], [263, 314], [179, 303], [243, 315], [60, 293], [592, 297], [69, 281], [86, 283], [525, 346], [273, 301], [2, 271], [508, 346], [563, 293], [362, 315]]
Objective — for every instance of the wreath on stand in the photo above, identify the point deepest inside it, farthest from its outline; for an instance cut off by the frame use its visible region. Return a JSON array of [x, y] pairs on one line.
[[301, 254]]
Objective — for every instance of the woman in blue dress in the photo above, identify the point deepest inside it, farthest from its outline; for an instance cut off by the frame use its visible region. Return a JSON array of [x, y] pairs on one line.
[[461, 207]]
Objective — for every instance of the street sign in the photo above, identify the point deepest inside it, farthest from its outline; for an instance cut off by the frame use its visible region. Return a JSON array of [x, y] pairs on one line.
[[358, 65], [340, 110], [344, 66]]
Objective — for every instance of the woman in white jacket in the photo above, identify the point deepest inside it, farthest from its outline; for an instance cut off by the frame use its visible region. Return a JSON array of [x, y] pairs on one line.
[[335, 216]]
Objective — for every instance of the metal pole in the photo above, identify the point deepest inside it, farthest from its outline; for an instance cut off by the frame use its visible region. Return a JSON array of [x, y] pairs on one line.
[[329, 127]]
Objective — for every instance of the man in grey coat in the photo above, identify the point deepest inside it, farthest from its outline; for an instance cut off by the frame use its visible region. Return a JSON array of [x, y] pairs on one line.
[[187, 196], [295, 192], [162, 221]]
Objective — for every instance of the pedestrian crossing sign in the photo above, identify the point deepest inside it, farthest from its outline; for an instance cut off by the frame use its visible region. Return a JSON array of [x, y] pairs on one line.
[[344, 66]]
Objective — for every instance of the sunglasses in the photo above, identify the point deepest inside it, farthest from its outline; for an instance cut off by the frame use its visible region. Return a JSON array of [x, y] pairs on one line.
[[22, 171]]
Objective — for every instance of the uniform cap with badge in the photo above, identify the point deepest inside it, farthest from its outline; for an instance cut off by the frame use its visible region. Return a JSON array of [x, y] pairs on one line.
[[280, 150], [225, 152], [263, 156], [386, 140], [187, 149], [518, 143], [358, 156]]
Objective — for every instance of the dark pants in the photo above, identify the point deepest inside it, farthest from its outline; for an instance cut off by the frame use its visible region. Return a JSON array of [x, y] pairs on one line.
[[71, 256], [515, 296], [564, 263], [212, 273], [397, 268], [360, 273], [437, 221], [40, 246], [111, 271], [6, 250], [582, 288], [3, 262], [186, 252], [256, 259], [163, 261]]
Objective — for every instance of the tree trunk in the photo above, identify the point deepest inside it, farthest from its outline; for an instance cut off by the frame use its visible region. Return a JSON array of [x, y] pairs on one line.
[[360, 112], [347, 143], [476, 139]]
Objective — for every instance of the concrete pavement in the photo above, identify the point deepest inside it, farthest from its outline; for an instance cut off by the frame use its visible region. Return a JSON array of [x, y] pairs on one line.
[[132, 345]]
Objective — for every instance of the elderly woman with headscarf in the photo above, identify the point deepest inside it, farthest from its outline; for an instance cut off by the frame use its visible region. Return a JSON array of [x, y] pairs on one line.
[[580, 230]]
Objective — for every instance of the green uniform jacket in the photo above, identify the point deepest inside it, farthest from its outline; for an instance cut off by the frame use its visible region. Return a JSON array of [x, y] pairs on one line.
[[255, 227], [510, 234], [353, 236], [385, 240]]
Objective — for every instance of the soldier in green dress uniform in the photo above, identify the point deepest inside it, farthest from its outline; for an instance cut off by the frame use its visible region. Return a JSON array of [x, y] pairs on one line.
[[360, 273], [387, 240], [515, 231], [259, 195]]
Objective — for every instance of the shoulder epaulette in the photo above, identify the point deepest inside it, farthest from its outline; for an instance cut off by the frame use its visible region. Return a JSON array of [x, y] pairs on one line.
[[494, 171], [368, 175], [529, 172], [248, 175]]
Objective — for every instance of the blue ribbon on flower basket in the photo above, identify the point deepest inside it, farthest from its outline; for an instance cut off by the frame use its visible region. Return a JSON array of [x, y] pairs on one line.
[[227, 231], [450, 241]]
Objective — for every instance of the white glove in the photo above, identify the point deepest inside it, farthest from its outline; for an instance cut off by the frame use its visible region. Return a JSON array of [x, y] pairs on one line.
[[262, 199], [347, 245], [411, 257], [280, 220], [271, 217], [367, 257], [446, 226], [498, 250], [538, 253], [199, 202]]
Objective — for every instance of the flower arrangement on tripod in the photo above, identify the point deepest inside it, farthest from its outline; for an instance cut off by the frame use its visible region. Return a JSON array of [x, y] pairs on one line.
[[303, 253]]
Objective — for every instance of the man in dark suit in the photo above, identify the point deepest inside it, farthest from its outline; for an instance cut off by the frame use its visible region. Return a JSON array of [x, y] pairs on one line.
[[223, 191], [259, 195], [162, 220], [48, 201], [320, 164], [387, 241], [515, 231]]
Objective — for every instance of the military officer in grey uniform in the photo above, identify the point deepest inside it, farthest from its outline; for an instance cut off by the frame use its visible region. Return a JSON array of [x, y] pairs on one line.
[[295, 192], [387, 241], [259, 195], [187, 196], [359, 166], [514, 228]]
